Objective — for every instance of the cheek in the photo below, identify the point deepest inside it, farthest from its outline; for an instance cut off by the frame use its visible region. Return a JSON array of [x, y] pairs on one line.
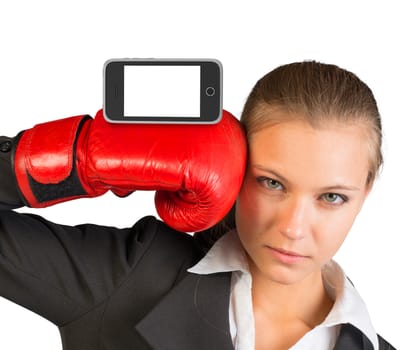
[[253, 212], [244, 211]]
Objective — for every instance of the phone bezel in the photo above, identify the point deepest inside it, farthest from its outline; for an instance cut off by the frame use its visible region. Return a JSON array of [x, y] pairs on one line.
[[210, 106]]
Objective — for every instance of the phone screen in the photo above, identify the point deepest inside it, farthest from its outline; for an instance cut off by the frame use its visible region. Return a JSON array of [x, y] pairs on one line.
[[164, 91]]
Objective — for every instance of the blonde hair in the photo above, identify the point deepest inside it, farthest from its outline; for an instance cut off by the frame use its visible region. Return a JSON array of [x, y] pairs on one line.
[[319, 94]]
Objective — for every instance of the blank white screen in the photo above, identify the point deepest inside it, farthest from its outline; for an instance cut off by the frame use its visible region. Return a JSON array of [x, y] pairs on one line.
[[164, 91]]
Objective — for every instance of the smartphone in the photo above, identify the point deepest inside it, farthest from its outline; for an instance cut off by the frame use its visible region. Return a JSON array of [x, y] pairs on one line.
[[163, 91]]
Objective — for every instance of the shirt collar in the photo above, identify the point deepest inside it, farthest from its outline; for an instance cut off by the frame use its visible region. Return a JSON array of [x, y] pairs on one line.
[[349, 306], [227, 255]]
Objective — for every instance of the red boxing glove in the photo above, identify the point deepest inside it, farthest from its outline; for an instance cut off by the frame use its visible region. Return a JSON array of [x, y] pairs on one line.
[[197, 170]]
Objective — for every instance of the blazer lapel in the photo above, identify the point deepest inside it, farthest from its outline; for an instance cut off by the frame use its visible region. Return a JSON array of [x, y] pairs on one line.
[[350, 338], [193, 315]]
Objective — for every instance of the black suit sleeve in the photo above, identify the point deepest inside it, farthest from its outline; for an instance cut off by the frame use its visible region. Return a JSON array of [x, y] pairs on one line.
[[60, 271], [64, 272]]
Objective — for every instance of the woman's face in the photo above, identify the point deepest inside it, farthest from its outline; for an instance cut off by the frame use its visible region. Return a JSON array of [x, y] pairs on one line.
[[301, 194]]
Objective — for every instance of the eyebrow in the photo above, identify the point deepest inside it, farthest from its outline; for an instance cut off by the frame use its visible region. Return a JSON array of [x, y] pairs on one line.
[[327, 188]]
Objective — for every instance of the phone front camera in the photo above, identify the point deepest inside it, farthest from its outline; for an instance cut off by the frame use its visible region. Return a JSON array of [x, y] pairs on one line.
[[210, 91]]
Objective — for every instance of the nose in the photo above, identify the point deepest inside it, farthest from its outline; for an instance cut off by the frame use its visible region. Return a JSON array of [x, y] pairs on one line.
[[293, 219]]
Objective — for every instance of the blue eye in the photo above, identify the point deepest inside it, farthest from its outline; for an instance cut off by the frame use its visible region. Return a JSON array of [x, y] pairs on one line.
[[270, 183], [334, 198]]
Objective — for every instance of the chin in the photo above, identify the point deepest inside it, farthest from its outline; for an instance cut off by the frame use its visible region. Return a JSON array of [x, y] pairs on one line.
[[284, 279], [284, 275]]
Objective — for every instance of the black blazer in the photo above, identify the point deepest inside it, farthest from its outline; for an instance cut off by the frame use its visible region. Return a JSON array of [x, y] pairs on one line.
[[108, 288]]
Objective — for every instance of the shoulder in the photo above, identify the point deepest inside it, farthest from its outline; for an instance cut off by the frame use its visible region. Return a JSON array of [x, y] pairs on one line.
[[152, 239], [151, 231]]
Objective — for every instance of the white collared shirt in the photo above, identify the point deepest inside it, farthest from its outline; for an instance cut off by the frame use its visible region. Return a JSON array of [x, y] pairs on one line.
[[227, 255]]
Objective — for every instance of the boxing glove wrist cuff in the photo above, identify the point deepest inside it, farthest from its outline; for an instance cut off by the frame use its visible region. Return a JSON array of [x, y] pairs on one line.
[[45, 162], [9, 195]]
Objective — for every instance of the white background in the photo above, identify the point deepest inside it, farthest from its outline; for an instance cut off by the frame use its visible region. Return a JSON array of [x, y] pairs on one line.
[[52, 54]]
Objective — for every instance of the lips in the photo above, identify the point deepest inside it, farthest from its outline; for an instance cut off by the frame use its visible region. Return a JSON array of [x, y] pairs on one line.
[[287, 252], [286, 256]]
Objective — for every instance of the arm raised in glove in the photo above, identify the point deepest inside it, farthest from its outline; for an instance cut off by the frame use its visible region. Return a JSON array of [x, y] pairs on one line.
[[197, 170]]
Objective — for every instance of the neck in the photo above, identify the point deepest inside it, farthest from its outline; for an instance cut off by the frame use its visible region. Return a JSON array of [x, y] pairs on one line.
[[305, 300]]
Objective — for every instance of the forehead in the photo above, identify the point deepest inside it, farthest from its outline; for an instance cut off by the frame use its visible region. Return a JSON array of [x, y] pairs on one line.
[[334, 153]]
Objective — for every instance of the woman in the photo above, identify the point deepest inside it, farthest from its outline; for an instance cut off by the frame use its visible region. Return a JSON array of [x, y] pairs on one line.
[[314, 135], [314, 139]]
